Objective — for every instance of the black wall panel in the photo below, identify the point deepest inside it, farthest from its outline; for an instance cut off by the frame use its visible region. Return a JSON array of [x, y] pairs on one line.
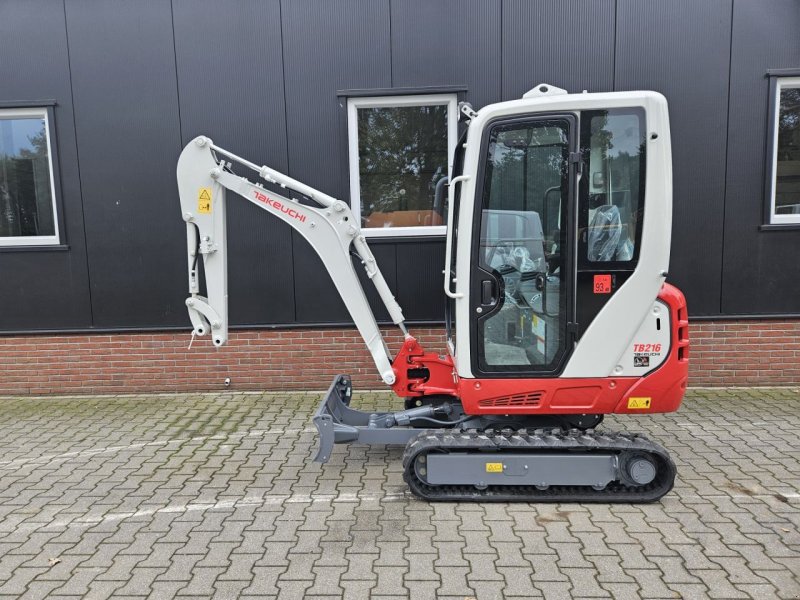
[[566, 43], [260, 77], [761, 270], [386, 257], [686, 58], [230, 84], [328, 46], [126, 117], [420, 289], [448, 43], [317, 298], [44, 289]]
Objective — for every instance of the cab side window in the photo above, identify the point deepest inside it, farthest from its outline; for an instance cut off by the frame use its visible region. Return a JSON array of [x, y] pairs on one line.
[[612, 185]]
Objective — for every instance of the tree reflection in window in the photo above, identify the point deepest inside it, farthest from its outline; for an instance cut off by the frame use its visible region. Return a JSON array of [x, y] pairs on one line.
[[787, 174], [26, 203], [613, 147], [402, 154]]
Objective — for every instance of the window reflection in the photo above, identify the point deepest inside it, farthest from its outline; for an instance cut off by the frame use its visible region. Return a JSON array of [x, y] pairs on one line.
[[787, 168], [613, 152], [402, 153], [26, 202]]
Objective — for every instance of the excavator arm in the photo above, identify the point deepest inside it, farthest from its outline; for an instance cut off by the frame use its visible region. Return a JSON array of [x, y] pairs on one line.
[[204, 177]]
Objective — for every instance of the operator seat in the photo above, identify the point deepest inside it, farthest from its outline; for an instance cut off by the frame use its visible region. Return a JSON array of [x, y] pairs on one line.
[[608, 240]]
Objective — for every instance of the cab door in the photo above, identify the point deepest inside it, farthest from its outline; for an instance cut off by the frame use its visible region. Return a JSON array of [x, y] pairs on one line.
[[523, 266]]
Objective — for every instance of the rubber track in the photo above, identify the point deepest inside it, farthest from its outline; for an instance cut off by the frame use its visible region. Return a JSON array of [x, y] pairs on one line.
[[539, 441]]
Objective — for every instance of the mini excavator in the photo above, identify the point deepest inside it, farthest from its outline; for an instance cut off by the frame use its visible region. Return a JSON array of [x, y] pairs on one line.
[[558, 209]]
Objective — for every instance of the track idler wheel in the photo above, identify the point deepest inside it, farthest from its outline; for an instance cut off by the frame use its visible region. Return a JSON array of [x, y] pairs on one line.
[[637, 469]]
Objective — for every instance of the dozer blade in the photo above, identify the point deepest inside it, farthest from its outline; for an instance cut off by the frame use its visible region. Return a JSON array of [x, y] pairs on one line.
[[337, 423]]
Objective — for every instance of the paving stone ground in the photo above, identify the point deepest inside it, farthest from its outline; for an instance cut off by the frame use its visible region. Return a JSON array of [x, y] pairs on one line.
[[215, 495]]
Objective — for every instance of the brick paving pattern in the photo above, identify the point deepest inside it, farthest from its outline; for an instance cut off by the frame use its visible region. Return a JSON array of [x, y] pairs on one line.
[[215, 495]]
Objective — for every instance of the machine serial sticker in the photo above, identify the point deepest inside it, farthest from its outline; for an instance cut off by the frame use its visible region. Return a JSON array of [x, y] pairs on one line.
[[494, 467], [602, 284], [204, 200], [639, 403]]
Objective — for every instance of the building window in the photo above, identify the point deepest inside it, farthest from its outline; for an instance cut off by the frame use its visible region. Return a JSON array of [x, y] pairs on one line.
[[784, 166], [399, 147], [27, 194]]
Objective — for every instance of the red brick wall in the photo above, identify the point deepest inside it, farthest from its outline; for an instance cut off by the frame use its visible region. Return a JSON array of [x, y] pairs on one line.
[[739, 353], [722, 353], [299, 359]]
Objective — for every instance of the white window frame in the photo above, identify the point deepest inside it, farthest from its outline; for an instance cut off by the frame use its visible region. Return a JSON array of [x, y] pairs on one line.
[[780, 83], [36, 240], [353, 104]]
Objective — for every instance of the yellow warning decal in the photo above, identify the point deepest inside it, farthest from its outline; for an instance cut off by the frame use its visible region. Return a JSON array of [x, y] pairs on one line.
[[204, 200], [639, 403], [494, 467]]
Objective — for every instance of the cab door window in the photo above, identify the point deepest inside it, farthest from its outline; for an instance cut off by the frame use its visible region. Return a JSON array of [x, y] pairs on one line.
[[520, 280]]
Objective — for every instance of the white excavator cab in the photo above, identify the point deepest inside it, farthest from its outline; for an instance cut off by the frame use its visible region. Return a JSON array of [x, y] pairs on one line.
[[558, 233], [589, 175]]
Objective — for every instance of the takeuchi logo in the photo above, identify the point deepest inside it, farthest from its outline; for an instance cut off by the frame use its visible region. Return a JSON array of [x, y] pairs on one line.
[[279, 206]]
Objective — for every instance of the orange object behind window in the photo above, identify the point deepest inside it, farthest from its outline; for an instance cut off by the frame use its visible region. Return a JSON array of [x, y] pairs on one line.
[[404, 218]]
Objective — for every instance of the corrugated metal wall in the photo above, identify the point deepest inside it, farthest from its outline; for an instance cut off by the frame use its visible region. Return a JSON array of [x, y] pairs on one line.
[[133, 82], [44, 289], [760, 269], [681, 48]]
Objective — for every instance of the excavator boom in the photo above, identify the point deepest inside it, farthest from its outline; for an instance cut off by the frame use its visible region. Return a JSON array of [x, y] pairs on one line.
[[204, 177]]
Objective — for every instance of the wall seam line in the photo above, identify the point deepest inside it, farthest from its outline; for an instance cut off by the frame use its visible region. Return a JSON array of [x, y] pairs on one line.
[[177, 77], [725, 168], [614, 53], [288, 156], [502, 44], [391, 48], [80, 177]]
